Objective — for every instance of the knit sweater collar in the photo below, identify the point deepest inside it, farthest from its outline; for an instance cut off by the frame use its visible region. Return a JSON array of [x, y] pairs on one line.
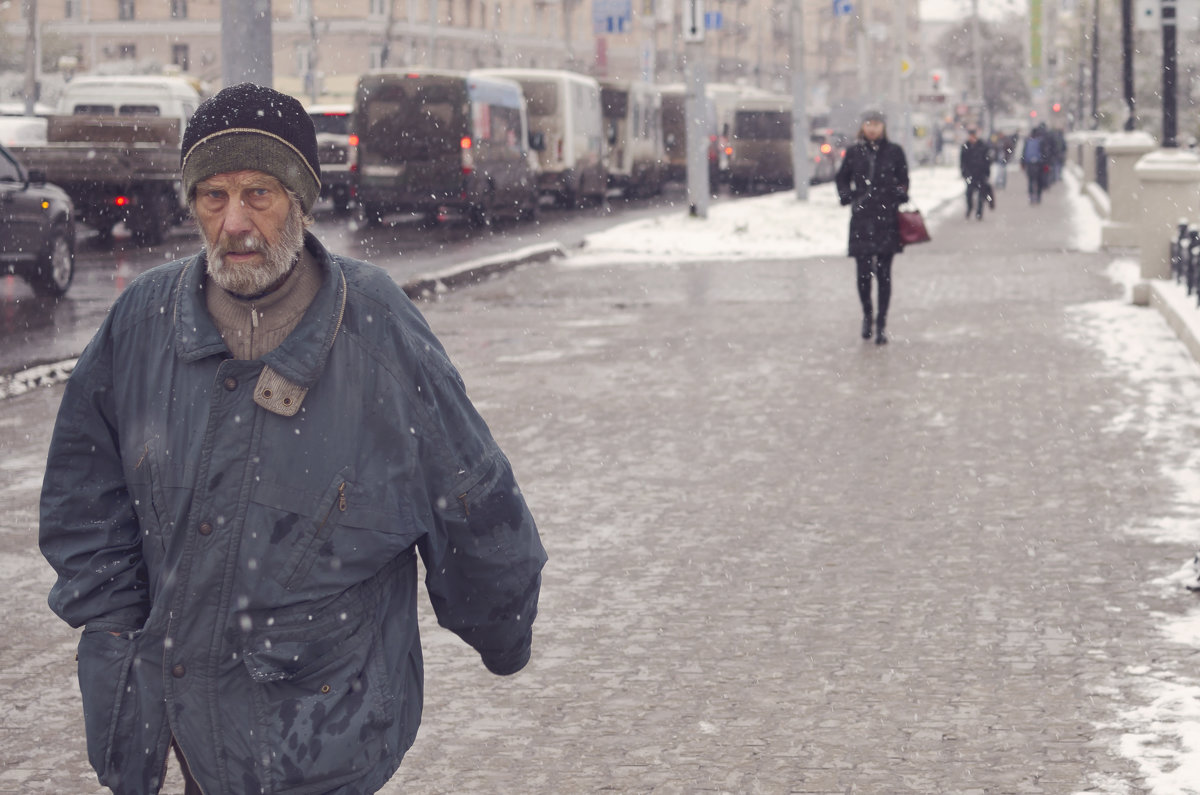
[[252, 327]]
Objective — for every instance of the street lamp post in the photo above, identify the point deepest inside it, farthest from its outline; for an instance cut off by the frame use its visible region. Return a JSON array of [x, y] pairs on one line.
[[1169, 121]]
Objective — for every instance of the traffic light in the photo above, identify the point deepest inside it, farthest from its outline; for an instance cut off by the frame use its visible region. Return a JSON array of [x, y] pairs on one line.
[[937, 82], [1033, 114], [1056, 107]]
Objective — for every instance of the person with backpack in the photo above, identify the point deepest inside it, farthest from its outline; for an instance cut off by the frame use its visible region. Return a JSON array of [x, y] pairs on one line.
[[1033, 156]]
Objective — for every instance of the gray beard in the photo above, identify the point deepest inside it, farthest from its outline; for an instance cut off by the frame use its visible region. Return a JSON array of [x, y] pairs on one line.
[[252, 280]]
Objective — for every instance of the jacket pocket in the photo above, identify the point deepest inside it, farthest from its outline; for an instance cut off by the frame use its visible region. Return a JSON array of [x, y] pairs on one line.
[[105, 664], [317, 543], [322, 700], [146, 486]]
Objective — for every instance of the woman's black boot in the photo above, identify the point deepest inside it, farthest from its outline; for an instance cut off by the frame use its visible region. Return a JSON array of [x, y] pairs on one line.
[[867, 326], [880, 336]]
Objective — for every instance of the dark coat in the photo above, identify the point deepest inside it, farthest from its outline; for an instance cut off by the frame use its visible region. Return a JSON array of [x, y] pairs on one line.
[[975, 161], [260, 565], [874, 180]]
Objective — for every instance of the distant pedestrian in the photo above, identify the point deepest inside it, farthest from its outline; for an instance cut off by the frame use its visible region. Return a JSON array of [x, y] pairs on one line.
[[1005, 148], [873, 179], [1033, 160], [975, 163], [249, 458]]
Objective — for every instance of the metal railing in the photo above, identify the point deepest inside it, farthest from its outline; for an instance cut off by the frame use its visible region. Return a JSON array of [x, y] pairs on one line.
[[1185, 257]]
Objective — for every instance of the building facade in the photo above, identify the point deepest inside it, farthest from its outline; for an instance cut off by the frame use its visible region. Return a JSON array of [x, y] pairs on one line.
[[320, 47]]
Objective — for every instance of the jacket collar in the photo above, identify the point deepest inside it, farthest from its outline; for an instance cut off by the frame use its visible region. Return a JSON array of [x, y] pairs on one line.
[[301, 357]]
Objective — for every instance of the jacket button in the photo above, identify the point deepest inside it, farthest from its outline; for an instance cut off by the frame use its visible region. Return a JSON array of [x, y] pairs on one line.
[[178, 670], [231, 383], [205, 528]]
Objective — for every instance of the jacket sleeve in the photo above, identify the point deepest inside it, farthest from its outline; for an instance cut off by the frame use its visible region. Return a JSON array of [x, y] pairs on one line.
[[963, 159], [483, 557], [89, 531]]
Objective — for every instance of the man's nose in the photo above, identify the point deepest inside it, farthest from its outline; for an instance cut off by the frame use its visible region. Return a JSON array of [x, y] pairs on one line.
[[237, 218]]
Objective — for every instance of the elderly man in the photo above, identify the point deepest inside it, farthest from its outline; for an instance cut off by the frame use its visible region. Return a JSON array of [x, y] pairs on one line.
[[248, 458]]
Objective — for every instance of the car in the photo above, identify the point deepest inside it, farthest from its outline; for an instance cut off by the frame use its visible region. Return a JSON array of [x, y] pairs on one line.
[[827, 150], [37, 229], [335, 152]]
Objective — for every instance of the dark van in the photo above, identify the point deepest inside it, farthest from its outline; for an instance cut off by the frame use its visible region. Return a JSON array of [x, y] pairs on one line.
[[761, 144], [433, 142]]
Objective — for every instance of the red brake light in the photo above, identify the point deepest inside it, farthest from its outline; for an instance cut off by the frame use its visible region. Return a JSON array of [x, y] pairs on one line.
[[465, 143], [353, 140], [729, 150], [121, 201]]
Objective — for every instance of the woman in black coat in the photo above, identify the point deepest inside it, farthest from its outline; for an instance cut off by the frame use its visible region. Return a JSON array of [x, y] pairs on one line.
[[874, 179]]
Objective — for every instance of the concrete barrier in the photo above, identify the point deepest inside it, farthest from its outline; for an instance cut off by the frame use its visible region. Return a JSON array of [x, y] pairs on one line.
[[1123, 151], [1168, 189]]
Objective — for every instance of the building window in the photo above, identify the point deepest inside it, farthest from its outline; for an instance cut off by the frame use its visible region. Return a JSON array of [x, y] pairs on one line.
[[303, 9], [127, 52], [125, 10], [178, 9], [378, 8], [72, 9], [179, 56]]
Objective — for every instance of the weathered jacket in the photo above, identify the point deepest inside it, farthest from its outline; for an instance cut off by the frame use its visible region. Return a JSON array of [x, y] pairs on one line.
[[258, 560], [874, 181]]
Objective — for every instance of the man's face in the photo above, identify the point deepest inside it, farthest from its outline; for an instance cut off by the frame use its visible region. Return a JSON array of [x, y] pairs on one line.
[[252, 230], [872, 130], [972, 136]]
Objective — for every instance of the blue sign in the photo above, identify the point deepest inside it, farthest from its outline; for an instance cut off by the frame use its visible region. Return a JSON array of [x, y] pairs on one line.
[[842, 8], [612, 16]]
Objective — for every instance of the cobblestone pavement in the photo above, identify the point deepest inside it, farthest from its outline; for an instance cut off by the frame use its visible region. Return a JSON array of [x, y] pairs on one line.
[[783, 560]]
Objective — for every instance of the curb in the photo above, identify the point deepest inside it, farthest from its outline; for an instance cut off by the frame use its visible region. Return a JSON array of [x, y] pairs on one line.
[[1172, 308], [475, 271], [426, 287]]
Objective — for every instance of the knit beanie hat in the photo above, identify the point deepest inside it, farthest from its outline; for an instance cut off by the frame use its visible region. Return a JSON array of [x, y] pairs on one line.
[[248, 126], [873, 114]]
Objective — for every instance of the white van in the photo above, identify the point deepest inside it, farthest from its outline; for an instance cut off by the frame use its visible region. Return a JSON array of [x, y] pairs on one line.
[[122, 95], [633, 132], [564, 108]]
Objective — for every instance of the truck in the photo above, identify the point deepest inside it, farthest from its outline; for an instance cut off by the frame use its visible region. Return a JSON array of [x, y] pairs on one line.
[[114, 146]]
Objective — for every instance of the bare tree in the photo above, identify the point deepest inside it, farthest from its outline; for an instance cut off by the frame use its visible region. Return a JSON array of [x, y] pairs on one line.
[[1003, 61]]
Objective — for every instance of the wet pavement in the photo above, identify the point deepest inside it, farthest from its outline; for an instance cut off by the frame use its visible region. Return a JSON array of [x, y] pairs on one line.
[[782, 559]]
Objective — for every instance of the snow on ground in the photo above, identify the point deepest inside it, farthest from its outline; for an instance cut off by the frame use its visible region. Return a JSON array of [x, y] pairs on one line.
[[774, 226], [1160, 727]]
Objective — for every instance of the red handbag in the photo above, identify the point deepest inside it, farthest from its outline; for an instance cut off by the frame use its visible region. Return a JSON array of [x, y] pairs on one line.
[[912, 225]]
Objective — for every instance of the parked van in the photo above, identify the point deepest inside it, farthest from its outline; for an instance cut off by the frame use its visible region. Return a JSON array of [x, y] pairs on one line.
[[633, 134], [761, 144], [722, 100], [435, 140], [564, 108]]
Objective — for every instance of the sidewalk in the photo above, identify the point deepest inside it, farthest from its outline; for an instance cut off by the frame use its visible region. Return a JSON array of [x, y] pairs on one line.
[[783, 559]]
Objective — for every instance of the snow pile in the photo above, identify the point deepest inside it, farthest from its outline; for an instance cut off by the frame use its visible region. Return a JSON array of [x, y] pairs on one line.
[[774, 226]]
